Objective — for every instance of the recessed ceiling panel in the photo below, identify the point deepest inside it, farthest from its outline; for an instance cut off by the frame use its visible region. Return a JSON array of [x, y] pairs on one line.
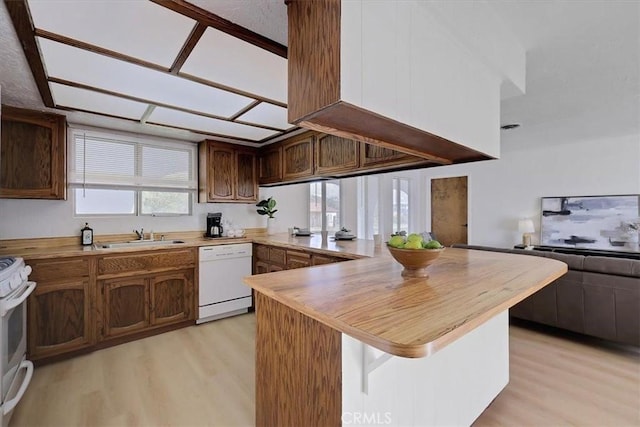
[[265, 17], [267, 114], [83, 99], [141, 29], [224, 59], [181, 119], [77, 65]]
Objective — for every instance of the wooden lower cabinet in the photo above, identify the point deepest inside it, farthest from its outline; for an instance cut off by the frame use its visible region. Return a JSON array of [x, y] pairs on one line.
[[318, 259], [297, 259], [61, 309], [138, 303], [60, 318], [268, 258], [171, 297], [86, 302], [125, 306], [260, 267]]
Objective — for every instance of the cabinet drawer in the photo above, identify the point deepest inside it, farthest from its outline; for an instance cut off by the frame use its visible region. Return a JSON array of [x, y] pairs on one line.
[[261, 252], [297, 259], [58, 269], [159, 260], [278, 255], [324, 259]]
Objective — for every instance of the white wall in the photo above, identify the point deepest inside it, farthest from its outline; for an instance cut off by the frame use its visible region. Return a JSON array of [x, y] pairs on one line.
[[292, 204], [21, 219], [502, 191]]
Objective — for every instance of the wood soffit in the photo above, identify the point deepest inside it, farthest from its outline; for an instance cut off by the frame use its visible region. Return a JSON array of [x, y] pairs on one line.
[[27, 34]]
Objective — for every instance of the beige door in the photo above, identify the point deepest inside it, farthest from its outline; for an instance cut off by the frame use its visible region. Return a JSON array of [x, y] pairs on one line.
[[449, 209]]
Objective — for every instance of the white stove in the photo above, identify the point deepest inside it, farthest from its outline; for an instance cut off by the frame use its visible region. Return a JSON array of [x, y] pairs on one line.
[[13, 273], [15, 370]]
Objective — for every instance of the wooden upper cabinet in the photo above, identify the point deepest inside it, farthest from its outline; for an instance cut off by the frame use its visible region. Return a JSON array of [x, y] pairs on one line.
[[270, 164], [247, 179], [334, 154], [319, 155], [297, 157], [375, 156], [222, 173], [227, 173], [32, 155]]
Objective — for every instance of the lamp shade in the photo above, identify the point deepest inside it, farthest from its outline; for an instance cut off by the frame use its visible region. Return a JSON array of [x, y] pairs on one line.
[[526, 226]]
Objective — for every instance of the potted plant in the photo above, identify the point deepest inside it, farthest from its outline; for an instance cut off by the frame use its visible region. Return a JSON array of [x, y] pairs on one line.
[[267, 207]]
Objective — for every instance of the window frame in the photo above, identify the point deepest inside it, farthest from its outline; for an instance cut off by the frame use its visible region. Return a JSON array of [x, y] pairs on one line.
[[397, 204], [323, 203], [140, 142]]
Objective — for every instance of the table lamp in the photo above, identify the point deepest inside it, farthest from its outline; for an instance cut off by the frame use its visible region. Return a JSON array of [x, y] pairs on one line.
[[525, 226]]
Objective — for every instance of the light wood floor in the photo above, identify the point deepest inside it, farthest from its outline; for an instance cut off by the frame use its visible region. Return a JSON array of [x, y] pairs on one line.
[[557, 380], [204, 375], [196, 376]]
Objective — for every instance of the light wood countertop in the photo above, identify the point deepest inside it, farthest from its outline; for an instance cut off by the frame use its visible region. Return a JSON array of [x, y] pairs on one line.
[[369, 300], [55, 247], [353, 249]]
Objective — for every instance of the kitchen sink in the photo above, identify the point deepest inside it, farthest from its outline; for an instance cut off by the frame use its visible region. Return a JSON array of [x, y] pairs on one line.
[[137, 243]]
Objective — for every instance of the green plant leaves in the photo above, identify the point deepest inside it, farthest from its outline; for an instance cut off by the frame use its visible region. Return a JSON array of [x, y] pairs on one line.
[[267, 207]]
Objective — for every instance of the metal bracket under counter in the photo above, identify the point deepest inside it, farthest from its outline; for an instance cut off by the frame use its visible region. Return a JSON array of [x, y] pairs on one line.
[[370, 364]]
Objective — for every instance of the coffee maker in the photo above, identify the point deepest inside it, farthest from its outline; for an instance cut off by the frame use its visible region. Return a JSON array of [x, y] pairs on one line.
[[214, 227]]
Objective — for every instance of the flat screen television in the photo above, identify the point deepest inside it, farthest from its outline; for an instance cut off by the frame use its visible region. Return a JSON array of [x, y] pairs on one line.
[[591, 222]]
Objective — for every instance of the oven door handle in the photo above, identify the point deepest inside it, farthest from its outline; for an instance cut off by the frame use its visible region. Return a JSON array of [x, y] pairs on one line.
[[5, 305], [11, 403]]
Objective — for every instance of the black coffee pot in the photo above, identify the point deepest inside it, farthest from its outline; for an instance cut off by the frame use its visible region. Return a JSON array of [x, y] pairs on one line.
[[214, 225]]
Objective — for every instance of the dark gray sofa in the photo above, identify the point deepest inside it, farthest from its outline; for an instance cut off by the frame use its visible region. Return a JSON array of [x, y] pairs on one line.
[[599, 296]]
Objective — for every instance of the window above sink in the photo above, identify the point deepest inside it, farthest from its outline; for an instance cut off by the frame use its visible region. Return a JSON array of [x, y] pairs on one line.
[[119, 174]]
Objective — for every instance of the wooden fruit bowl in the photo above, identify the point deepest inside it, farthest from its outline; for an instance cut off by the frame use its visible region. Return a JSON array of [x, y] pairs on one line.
[[415, 261]]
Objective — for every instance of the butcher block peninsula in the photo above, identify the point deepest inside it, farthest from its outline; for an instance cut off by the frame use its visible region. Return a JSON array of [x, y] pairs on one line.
[[356, 343]]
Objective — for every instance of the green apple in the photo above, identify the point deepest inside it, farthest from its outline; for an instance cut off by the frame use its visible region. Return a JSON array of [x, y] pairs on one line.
[[396, 241], [432, 244], [413, 244], [414, 237]]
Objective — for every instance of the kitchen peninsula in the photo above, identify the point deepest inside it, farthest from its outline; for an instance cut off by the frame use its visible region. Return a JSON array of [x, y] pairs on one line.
[[356, 342]]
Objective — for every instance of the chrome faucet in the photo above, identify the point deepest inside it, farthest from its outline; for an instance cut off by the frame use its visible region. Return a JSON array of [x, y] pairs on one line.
[[140, 233]]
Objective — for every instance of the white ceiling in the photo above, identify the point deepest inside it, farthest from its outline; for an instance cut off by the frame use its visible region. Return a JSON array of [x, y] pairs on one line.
[[583, 68]]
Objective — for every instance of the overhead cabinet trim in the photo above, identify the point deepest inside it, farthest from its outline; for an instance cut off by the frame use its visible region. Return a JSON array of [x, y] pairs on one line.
[[337, 86]]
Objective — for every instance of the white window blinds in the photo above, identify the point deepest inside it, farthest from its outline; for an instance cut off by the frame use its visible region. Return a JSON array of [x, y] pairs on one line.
[[111, 160]]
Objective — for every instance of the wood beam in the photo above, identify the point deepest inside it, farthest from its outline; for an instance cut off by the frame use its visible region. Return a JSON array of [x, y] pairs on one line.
[[187, 48], [205, 17], [244, 110], [99, 50], [19, 13], [158, 104]]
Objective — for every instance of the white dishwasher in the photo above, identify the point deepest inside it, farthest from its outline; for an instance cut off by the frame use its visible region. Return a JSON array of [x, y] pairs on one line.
[[222, 292]]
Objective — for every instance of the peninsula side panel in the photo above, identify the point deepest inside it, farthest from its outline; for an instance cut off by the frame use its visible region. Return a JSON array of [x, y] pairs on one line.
[[298, 368]]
